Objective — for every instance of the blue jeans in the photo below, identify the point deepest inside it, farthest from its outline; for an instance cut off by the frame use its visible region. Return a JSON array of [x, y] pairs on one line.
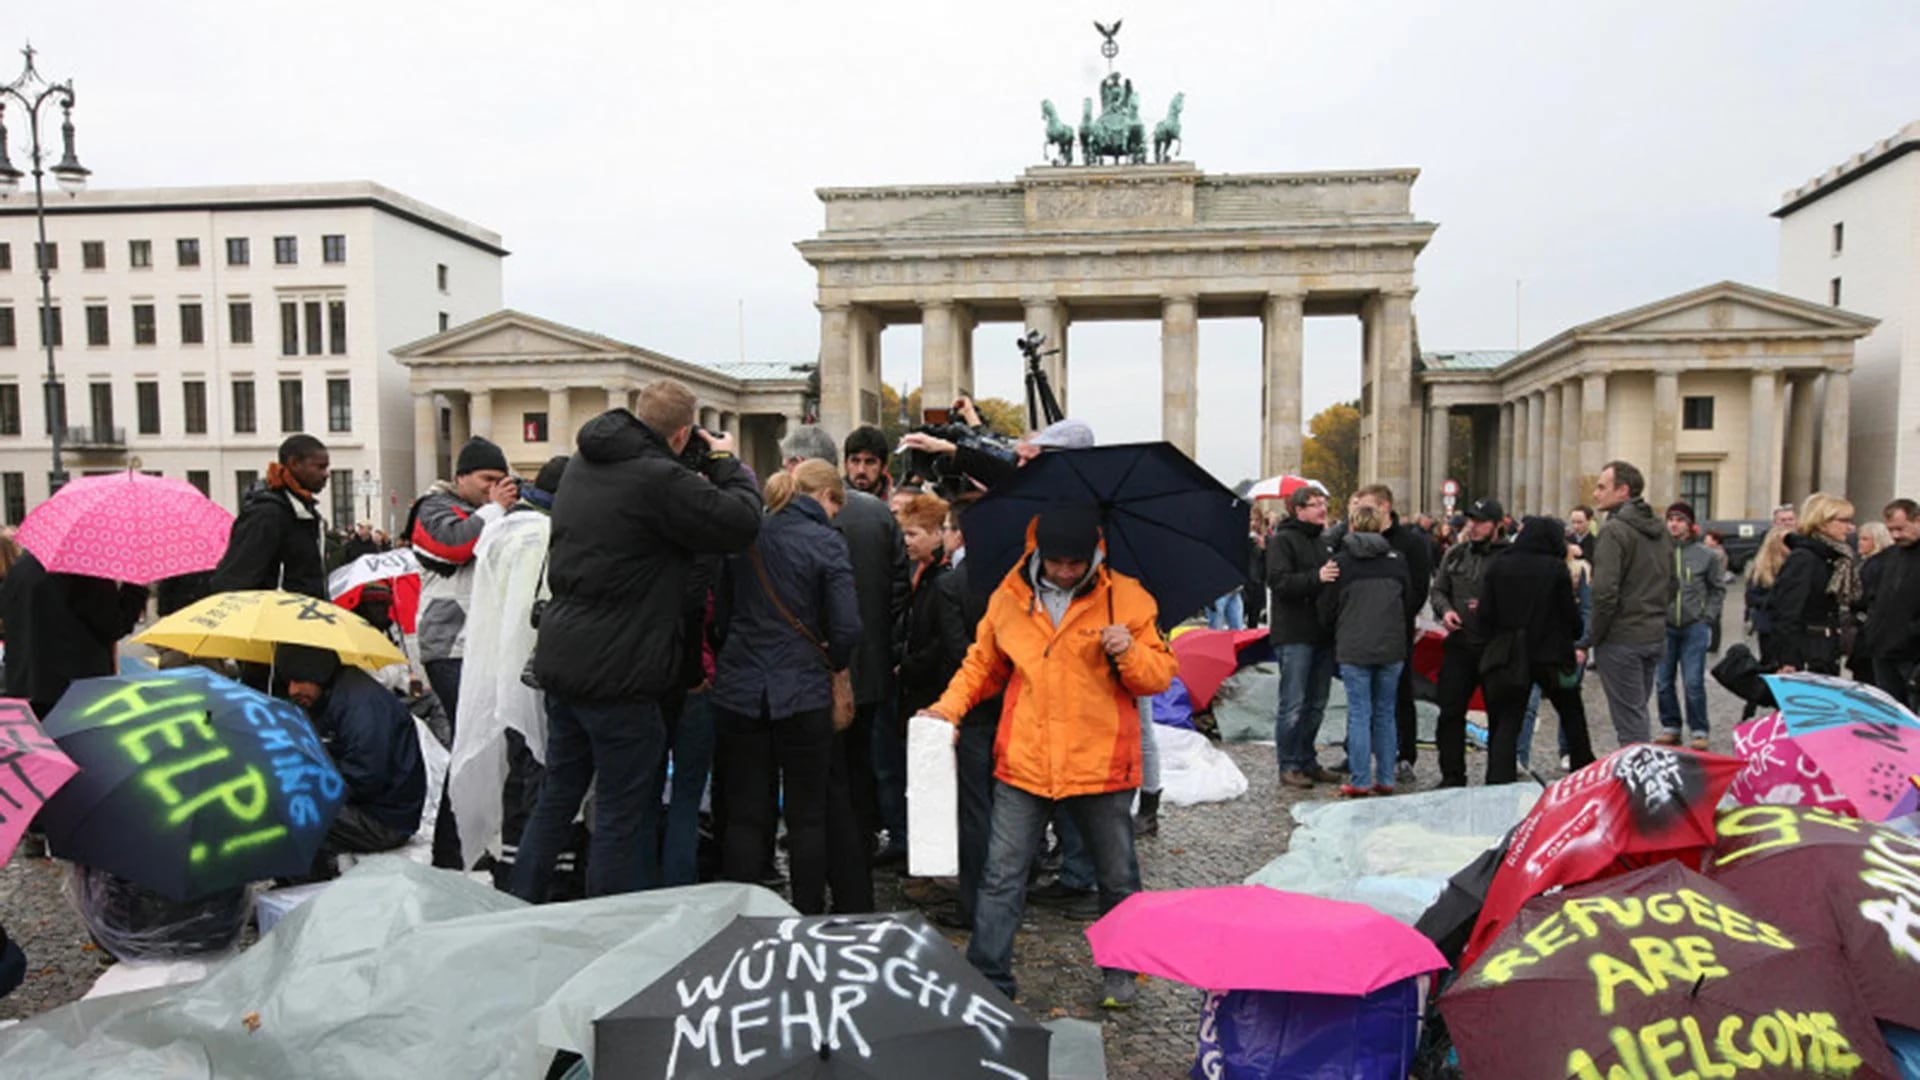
[[1687, 650], [620, 744], [691, 750], [1019, 826], [890, 768], [1228, 613], [1373, 732], [1306, 674], [1076, 860], [1526, 728]]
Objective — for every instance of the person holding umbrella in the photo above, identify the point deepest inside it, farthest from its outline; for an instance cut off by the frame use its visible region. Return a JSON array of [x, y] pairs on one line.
[[1075, 643], [61, 627], [279, 541]]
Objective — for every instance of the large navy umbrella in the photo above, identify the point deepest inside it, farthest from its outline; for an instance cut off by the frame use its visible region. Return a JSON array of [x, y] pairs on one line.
[[1167, 521], [869, 996], [189, 782]]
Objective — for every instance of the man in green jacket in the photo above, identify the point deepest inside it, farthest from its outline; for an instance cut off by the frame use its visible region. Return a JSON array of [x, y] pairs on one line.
[[1632, 582], [1692, 612]]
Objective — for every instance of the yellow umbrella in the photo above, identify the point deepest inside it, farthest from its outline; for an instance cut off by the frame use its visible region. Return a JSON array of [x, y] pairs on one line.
[[247, 626]]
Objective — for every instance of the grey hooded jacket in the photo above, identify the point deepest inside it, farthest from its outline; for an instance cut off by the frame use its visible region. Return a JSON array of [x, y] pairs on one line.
[[1698, 588], [1632, 578]]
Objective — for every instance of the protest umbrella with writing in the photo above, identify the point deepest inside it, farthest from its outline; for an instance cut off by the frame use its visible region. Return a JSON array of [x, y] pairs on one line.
[[1659, 972], [1816, 872], [249, 625], [1866, 742], [1778, 772], [397, 570], [189, 782], [32, 767], [1638, 804], [826, 996]]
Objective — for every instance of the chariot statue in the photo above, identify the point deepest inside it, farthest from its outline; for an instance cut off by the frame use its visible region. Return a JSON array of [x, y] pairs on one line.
[[1117, 135]]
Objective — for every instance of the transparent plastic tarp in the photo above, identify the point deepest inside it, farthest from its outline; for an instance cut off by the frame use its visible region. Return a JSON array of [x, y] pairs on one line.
[[1394, 854], [1245, 704]]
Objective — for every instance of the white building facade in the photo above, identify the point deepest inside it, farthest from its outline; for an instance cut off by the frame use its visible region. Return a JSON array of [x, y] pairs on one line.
[[196, 328], [1851, 238]]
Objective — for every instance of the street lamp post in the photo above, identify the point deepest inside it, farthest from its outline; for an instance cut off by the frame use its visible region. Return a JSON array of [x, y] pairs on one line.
[[31, 91]]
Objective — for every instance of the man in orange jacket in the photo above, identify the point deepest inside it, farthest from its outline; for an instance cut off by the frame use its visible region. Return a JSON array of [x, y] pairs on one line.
[[1072, 645]]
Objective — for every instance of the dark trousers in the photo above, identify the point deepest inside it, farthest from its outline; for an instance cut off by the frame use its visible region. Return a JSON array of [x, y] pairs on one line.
[[690, 745], [1459, 674], [857, 748], [615, 746], [1506, 715], [353, 831], [974, 758], [1404, 718], [1892, 676], [849, 839], [444, 677], [890, 768], [797, 749]]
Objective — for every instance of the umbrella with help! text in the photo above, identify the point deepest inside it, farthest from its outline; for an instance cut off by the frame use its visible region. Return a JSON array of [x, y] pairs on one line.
[[32, 767], [127, 527], [1865, 742]]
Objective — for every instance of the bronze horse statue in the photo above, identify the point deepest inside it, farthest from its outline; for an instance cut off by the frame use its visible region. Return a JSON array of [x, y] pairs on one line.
[[1059, 144], [1166, 134]]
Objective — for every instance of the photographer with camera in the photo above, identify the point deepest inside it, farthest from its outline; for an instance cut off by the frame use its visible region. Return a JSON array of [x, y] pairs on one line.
[[634, 519]]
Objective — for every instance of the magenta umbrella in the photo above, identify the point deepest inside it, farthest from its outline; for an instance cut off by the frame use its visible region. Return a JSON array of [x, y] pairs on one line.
[[31, 768], [129, 527], [1250, 937]]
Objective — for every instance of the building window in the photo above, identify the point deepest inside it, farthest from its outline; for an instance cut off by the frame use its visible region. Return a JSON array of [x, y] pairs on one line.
[[9, 408], [143, 324], [201, 479], [533, 427], [100, 409], [289, 329], [1833, 292], [440, 275], [243, 418], [50, 329], [192, 328], [13, 490], [286, 251], [1696, 413], [47, 256], [1839, 237], [339, 405], [342, 485], [333, 249], [140, 254], [240, 322], [1696, 490], [96, 324], [337, 327], [312, 309], [193, 395], [444, 321], [57, 416], [292, 407], [146, 406], [239, 251], [243, 481], [187, 251], [6, 256], [6, 328], [93, 254]]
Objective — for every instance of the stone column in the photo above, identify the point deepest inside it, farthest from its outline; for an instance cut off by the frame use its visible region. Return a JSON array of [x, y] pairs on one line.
[[1800, 439], [560, 418], [730, 422], [939, 380], [480, 412], [1593, 429], [1393, 392], [1547, 499], [1834, 434], [1049, 316], [708, 417], [459, 425], [963, 326], [617, 397], [1762, 452], [1179, 371], [1439, 450], [1503, 456], [1568, 485], [1525, 445], [1281, 340], [1663, 471], [839, 390], [426, 442], [1536, 434]]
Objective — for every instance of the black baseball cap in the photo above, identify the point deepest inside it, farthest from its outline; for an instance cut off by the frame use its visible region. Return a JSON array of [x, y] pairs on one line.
[[1486, 510]]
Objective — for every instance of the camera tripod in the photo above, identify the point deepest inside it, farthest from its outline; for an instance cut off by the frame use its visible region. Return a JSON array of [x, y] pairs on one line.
[[1042, 407]]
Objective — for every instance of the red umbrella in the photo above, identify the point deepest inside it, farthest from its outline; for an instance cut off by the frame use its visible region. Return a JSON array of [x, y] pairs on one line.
[[1636, 806], [398, 572], [1207, 657], [1279, 487]]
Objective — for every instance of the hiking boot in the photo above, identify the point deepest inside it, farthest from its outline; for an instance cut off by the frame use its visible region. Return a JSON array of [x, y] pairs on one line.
[[1119, 988], [1147, 821], [1667, 738], [1699, 742], [1058, 893], [1294, 778]]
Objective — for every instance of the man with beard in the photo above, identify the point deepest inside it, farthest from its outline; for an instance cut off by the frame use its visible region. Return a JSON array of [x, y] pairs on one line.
[[865, 455]]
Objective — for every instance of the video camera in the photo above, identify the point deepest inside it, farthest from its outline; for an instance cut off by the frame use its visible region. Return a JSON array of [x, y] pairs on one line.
[[940, 471]]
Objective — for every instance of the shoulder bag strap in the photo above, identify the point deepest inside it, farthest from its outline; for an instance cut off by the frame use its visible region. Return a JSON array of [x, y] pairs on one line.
[[766, 585]]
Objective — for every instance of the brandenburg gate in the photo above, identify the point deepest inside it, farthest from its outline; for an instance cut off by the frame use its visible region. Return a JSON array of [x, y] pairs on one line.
[[1066, 244]]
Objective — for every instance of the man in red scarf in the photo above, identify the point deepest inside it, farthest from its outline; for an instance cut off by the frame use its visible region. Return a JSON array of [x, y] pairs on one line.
[[279, 539]]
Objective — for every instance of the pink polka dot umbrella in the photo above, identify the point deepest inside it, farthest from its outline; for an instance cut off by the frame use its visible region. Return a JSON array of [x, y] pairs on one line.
[[127, 527]]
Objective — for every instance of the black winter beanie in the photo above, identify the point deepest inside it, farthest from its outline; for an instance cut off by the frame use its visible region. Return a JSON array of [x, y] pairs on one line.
[[479, 454]]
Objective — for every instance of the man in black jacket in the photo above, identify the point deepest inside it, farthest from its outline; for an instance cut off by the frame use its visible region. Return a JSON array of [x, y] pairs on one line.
[[370, 735], [1892, 633], [1299, 566], [628, 524], [61, 627], [1455, 596], [1417, 550], [279, 540]]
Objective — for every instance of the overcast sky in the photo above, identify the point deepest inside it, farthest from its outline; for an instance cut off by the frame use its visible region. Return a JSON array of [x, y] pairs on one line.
[[650, 165]]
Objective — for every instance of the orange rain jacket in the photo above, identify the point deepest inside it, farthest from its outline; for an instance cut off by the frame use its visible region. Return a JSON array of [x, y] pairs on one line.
[[1070, 724]]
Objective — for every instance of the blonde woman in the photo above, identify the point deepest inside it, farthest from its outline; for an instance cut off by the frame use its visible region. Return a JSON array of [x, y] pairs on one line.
[[1761, 574], [1818, 588], [1874, 541]]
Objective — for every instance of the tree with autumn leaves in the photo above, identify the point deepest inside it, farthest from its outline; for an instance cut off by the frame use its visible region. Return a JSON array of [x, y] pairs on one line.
[[1331, 452]]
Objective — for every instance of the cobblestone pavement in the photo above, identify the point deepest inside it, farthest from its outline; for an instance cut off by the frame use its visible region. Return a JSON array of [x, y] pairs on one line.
[[1212, 844]]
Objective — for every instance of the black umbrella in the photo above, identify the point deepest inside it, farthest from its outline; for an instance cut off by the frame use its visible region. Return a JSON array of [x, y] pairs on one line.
[[1448, 921], [828, 996], [1167, 522]]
